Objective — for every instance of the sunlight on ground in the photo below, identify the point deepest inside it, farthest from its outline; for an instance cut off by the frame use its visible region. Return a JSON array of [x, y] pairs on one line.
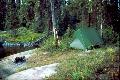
[[44, 58]]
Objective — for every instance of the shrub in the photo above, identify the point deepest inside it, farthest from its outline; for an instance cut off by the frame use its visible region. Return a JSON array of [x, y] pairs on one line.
[[49, 44], [24, 35]]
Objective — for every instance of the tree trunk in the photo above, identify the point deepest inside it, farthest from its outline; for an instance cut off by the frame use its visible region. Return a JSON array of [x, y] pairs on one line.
[[18, 2], [42, 7], [2, 14], [54, 22], [49, 15], [101, 20], [89, 20], [101, 29], [30, 11], [15, 23]]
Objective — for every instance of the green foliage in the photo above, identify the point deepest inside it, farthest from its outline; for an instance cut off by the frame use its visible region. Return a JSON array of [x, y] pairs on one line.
[[22, 31], [26, 35], [110, 36], [64, 44], [82, 68], [23, 35], [81, 24], [108, 32], [90, 5], [48, 44], [4, 34]]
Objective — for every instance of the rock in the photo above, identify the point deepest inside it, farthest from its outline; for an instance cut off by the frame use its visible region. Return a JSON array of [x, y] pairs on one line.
[[37, 73], [7, 65], [20, 59]]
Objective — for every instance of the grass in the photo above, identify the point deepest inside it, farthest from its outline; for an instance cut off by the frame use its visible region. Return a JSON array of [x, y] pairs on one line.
[[23, 35], [82, 67], [44, 58], [74, 64]]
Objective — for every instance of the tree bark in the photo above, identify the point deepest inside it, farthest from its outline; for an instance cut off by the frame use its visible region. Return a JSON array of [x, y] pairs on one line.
[[3, 11], [14, 16], [18, 2], [30, 11], [49, 15], [42, 10], [54, 22]]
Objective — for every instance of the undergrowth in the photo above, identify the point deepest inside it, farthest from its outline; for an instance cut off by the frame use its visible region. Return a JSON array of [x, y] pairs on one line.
[[22, 35], [49, 45], [82, 68]]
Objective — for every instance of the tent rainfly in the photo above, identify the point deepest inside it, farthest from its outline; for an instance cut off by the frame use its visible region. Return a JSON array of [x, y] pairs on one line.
[[85, 37]]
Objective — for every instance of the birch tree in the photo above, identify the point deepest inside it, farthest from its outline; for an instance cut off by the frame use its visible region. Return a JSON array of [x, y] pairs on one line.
[[55, 10]]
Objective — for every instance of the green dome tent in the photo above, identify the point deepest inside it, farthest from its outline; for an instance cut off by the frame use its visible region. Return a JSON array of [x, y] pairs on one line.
[[85, 37]]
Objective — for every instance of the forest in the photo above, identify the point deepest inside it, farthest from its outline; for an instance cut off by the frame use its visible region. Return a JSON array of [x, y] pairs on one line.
[[81, 36]]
